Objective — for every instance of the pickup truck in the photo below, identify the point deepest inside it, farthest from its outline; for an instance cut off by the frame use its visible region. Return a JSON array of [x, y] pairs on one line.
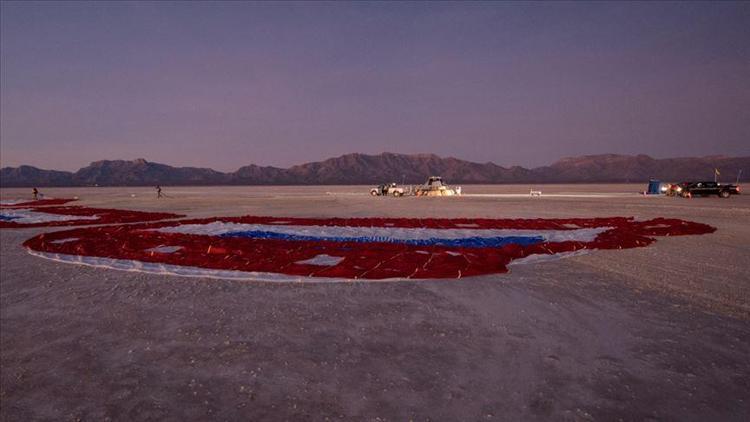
[[709, 188], [389, 189]]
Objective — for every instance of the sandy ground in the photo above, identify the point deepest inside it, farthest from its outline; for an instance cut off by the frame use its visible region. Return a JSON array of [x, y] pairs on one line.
[[657, 333]]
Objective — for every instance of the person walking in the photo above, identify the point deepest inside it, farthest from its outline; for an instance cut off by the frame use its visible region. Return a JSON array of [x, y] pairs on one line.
[[158, 191], [35, 191]]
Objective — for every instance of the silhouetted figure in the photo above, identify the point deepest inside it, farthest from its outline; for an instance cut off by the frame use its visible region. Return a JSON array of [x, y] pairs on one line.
[[158, 191], [35, 191]]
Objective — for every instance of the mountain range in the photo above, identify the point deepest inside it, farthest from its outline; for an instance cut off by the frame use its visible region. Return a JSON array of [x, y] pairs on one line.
[[355, 168]]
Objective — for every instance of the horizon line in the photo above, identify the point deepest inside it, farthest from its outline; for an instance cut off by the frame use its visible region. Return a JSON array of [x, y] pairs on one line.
[[712, 156]]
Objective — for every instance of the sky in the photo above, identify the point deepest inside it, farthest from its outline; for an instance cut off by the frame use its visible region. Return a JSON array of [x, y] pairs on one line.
[[223, 85]]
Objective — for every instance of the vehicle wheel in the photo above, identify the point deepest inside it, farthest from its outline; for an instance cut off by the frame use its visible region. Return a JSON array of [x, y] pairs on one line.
[[397, 194], [724, 194], [373, 193]]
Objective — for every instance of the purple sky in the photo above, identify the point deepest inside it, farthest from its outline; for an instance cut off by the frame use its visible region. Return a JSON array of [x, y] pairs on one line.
[[227, 84]]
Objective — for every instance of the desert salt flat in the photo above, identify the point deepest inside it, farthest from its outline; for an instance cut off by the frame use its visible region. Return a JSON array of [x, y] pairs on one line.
[[658, 333]]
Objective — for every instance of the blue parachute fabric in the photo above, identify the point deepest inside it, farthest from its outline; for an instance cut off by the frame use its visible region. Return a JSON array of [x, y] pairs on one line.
[[467, 242]]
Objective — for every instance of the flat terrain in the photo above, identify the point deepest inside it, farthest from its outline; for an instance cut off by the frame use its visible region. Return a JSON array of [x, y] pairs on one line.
[[656, 333]]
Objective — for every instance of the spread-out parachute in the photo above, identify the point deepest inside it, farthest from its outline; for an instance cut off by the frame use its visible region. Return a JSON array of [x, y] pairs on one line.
[[296, 249], [27, 215]]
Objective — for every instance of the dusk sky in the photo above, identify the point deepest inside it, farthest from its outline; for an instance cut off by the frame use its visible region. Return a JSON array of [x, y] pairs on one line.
[[223, 85]]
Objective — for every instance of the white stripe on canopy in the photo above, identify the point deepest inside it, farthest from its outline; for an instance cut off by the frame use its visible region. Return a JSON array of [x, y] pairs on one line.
[[218, 228]]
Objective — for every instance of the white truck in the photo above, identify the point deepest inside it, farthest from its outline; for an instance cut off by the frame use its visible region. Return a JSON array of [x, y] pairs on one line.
[[389, 189]]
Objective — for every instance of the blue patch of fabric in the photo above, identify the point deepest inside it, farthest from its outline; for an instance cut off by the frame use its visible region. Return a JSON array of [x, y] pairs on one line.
[[467, 242], [8, 217]]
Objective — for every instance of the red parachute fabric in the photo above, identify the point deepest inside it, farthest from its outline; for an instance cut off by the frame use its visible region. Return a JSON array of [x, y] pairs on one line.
[[372, 260], [104, 216]]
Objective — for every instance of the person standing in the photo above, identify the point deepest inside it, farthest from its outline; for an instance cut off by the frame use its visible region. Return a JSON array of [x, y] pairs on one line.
[[158, 191], [35, 191]]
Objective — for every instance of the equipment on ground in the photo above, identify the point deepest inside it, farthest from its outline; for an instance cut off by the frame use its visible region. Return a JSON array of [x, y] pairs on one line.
[[436, 187], [654, 187]]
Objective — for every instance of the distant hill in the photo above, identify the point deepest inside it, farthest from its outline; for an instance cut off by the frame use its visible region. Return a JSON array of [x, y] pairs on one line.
[[386, 167], [628, 168], [143, 173], [32, 176]]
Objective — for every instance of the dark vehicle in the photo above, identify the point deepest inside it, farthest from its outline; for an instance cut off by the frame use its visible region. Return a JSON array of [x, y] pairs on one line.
[[709, 188]]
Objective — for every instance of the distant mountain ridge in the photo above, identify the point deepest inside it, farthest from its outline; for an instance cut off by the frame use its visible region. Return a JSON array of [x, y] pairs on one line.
[[356, 168]]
